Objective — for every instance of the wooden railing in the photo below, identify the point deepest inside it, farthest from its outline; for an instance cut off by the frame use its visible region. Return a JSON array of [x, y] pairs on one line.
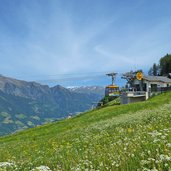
[[164, 89]]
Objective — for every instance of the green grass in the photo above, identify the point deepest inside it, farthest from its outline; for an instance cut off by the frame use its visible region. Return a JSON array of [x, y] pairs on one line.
[[113, 102], [125, 137]]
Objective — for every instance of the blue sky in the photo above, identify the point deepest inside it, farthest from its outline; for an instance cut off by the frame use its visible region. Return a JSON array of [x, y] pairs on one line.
[[44, 39]]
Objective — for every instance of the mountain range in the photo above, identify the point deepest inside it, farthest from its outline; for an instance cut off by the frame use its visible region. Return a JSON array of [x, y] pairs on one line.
[[88, 90], [27, 104]]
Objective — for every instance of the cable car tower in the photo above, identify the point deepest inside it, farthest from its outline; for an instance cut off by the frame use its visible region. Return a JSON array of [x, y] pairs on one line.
[[113, 75]]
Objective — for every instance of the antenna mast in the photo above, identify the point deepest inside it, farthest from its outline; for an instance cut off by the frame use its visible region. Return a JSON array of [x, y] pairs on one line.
[[113, 75]]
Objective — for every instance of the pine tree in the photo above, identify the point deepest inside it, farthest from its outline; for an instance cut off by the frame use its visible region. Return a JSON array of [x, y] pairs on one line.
[[150, 72], [165, 65], [155, 69]]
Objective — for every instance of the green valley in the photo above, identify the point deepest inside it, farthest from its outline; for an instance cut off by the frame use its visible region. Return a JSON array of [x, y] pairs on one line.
[[124, 137]]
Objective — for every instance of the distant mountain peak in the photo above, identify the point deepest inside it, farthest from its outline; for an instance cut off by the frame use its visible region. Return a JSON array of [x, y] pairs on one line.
[[89, 90]]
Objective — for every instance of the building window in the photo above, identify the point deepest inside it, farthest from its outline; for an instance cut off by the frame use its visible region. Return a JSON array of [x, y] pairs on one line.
[[153, 87]]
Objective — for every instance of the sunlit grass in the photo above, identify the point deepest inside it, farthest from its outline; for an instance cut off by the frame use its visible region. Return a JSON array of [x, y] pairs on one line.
[[127, 137]]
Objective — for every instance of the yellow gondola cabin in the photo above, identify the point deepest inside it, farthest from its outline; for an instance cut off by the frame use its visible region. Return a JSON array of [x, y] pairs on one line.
[[112, 91]]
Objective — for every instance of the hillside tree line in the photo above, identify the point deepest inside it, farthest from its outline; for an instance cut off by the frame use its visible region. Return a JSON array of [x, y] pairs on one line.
[[163, 68]]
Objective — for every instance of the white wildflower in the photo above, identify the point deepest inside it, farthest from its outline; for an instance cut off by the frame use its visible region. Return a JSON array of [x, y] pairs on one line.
[[163, 137], [168, 144], [165, 157], [144, 162], [117, 165], [132, 155], [157, 161], [6, 164], [42, 168], [155, 133], [151, 159], [166, 165], [156, 140], [149, 152]]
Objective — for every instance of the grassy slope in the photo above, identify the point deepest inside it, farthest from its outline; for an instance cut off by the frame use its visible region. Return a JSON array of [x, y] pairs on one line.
[[126, 137]]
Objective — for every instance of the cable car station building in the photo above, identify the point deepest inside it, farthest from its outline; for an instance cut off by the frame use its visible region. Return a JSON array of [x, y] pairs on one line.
[[153, 83], [145, 86]]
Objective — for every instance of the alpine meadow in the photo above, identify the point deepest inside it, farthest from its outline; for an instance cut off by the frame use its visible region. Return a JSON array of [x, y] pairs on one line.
[[129, 137]]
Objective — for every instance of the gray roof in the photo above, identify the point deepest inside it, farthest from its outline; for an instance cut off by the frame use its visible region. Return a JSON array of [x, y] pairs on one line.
[[157, 79]]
